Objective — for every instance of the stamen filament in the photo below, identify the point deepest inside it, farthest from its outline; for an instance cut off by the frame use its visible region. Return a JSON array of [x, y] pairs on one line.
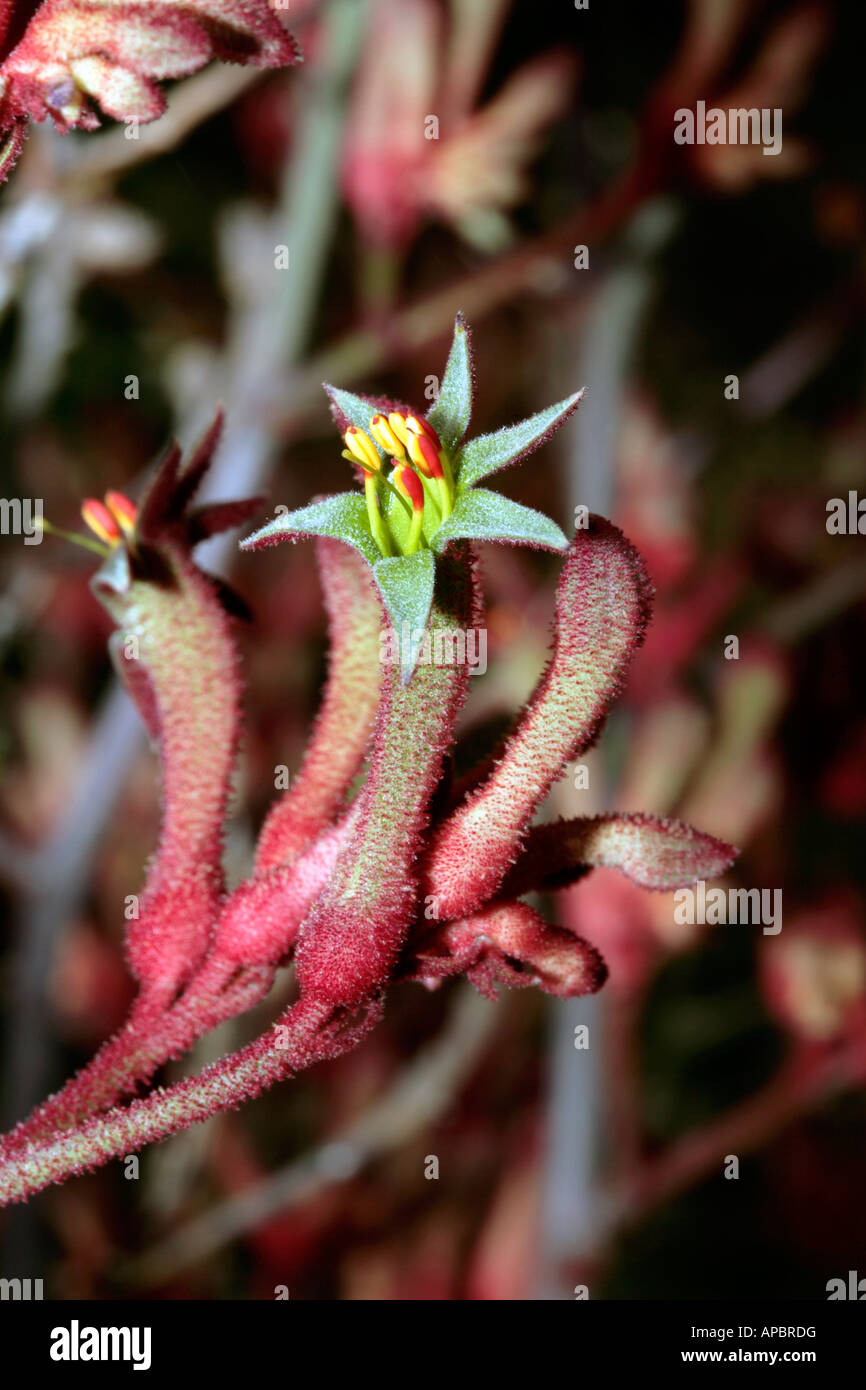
[[433, 498], [409, 483], [395, 491], [413, 540], [84, 541], [446, 502], [377, 522]]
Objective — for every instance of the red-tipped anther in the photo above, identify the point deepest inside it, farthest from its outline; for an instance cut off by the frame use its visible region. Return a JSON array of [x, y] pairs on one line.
[[101, 522], [124, 512], [411, 486], [418, 425], [408, 482], [422, 452]]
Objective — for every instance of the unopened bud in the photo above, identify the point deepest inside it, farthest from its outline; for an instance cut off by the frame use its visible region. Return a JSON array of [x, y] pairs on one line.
[[101, 522]]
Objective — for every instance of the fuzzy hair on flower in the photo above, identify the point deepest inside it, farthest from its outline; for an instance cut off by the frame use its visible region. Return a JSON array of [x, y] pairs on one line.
[[403, 876], [70, 59]]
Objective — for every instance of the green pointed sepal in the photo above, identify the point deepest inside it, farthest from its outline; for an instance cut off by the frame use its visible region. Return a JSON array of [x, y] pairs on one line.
[[405, 582], [481, 515], [488, 453]]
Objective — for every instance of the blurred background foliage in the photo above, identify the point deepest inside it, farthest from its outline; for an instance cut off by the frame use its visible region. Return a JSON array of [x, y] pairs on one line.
[[120, 259]]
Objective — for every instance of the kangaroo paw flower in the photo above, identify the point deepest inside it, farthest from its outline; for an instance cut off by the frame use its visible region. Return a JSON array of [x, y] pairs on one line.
[[174, 651], [79, 56], [420, 495], [384, 886], [350, 943]]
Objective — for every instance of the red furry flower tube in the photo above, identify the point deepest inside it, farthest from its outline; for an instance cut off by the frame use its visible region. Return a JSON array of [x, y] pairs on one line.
[[510, 943], [602, 608], [345, 720], [339, 880], [175, 652], [350, 943]]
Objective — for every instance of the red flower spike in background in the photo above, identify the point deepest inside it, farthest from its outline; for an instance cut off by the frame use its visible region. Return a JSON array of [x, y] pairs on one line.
[[74, 57], [421, 60], [174, 652], [361, 888]]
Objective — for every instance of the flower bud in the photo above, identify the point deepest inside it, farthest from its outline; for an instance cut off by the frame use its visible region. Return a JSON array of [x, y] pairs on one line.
[[417, 425], [424, 456], [101, 522], [411, 487], [124, 512], [397, 421]]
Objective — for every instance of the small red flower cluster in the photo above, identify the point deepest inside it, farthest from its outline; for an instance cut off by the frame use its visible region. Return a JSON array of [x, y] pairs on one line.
[[73, 57]]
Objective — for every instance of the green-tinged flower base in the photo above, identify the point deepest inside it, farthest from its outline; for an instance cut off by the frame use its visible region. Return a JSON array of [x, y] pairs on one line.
[[380, 525]]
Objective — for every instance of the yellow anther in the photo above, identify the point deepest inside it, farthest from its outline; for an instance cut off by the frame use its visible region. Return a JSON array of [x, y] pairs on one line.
[[380, 428], [418, 426], [362, 449], [398, 425]]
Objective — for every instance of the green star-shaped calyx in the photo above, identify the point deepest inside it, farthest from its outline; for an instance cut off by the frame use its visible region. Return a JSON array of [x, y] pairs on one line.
[[421, 493]]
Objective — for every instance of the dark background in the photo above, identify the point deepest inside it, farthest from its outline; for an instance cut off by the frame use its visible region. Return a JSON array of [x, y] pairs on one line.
[[718, 1036]]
